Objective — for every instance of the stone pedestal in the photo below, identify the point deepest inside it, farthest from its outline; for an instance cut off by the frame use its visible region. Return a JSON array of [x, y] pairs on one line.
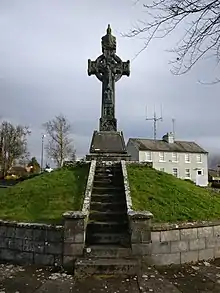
[[108, 146], [140, 229], [74, 236]]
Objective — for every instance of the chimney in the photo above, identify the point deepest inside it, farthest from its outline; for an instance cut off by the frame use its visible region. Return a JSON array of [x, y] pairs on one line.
[[169, 137]]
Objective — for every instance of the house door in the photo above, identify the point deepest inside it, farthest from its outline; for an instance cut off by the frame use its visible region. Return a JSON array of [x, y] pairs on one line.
[[200, 180]]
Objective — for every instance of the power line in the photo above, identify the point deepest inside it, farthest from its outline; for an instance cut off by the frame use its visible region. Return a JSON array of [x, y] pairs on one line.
[[155, 119]]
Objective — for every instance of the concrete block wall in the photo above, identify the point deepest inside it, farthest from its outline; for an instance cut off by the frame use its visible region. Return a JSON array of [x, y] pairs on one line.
[[24, 243], [187, 243]]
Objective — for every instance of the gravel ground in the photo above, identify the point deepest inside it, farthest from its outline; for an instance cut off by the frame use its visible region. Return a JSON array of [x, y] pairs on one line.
[[202, 277]]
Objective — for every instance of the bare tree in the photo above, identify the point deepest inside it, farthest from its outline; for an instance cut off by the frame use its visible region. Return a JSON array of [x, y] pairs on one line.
[[201, 37], [13, 144], [60, 145]]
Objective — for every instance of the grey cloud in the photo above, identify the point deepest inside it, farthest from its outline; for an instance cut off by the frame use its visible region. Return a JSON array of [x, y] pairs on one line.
[[44, 49]]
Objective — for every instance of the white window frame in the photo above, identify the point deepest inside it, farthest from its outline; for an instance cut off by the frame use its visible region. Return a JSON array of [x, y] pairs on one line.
[[161, 158], [200, 158], [202, 171], [175, 157], [174, 172], [187, 156], [162, 170], [148, 159], [188, 177]]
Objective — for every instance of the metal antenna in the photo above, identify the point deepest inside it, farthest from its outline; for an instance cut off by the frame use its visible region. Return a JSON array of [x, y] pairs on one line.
[[173, 122], [155, 120]]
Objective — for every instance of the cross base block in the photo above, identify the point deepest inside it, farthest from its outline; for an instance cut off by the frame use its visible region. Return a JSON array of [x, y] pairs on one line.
[[108, 146]]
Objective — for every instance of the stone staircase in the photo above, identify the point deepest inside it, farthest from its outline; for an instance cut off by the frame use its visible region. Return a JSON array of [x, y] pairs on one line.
[[107, 248]]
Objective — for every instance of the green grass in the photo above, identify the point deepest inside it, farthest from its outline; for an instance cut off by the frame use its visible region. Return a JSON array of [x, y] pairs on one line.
[[170, 199], [45, 197]]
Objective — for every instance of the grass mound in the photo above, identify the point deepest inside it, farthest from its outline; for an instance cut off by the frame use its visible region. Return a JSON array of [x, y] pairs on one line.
[[45, 197], [170, 199]]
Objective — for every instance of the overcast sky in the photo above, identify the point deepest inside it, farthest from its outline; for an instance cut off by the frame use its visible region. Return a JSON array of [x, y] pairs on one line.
[[44, 49]]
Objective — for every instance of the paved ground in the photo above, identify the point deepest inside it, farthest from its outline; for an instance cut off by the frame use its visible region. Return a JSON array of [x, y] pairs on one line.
[[200, 278]]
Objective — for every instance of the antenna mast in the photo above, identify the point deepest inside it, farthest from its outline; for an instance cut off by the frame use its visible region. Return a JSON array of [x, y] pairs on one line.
[[155, 120], [173, 122]]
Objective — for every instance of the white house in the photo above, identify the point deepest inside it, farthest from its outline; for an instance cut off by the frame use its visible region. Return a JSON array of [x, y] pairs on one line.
[[183, 159]]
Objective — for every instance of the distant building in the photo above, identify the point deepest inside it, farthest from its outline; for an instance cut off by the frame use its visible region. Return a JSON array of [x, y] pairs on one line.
[[214, 175], [183, 159], [17, 171], [48, 169]]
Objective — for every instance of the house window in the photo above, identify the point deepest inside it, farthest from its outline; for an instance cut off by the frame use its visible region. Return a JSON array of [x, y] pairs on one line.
[[175, 172], [174, 157], [162, 169], [187, 158], [199, 158], [148, 156], [187, 173], [161, 157], [200, 172]]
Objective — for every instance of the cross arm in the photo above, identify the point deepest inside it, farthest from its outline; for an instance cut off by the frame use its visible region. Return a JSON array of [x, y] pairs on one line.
[[122, 68], [92, 67], [126, 68]]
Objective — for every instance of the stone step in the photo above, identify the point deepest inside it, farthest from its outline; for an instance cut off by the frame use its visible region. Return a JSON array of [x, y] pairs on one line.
[[107, 197], [107, 216], [106, 184], [105, 164], [107, 178], [108, 227], [108, 174], [107, 238], [108, 190], [106, 266], [104, 176], [108, 206], [107, 251], [108, 170]]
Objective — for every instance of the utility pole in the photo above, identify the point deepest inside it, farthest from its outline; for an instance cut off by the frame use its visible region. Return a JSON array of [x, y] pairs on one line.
[[155, 120], [42, 152]]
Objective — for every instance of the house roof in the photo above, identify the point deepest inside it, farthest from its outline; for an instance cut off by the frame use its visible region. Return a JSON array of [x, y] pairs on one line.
[[143, 144], [17, 169], [213, 173]]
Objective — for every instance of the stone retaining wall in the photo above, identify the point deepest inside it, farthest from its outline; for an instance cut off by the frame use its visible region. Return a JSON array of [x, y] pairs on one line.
[[42, 244], [185, 243], [89, 186], [24, 243], [148, 164], [158, 244], [164, 244]]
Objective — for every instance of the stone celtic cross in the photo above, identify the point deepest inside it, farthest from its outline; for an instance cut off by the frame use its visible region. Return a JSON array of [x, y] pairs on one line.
[[108, 68]]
